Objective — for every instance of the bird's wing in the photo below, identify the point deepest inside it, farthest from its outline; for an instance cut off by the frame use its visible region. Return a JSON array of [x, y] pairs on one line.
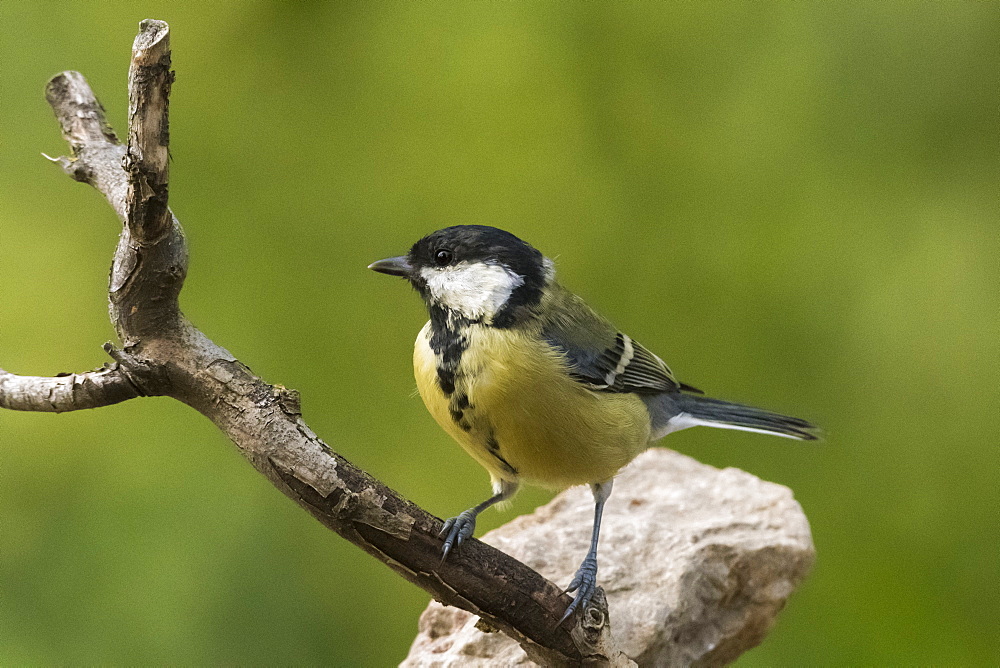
[[598, 355]]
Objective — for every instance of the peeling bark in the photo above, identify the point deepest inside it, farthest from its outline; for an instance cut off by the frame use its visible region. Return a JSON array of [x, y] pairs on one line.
[[68, 392]]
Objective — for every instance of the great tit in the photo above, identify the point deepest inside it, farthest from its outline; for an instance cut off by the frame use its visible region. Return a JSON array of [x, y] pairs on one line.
[[535, 385]]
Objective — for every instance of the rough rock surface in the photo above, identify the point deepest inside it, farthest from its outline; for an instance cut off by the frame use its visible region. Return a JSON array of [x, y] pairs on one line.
[[696, 563]]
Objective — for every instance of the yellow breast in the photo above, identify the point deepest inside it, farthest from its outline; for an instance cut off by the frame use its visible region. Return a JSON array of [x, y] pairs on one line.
[[517, 412]]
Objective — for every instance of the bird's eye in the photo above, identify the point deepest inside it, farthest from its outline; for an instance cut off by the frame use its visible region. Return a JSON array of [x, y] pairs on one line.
[[443, 257]]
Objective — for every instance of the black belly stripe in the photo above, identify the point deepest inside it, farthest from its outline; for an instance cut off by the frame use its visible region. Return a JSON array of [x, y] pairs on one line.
[[448, 341], [459, 419], [457, 407], [446, 380]]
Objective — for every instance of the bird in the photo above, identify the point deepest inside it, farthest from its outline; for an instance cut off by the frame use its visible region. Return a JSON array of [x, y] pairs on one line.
[[536, 386]]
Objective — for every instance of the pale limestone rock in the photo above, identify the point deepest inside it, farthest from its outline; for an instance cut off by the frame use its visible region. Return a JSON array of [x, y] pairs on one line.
[[696, 563]]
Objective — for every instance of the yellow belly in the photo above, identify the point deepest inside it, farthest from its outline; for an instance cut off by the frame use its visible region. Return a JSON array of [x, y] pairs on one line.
[[525, 411]]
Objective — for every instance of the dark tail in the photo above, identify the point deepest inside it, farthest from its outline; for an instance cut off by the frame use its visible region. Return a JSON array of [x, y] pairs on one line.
[[703, 411]]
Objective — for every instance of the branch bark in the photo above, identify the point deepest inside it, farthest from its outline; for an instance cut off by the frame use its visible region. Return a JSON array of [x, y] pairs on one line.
[[69, 392], [147, 159], [162, 353]]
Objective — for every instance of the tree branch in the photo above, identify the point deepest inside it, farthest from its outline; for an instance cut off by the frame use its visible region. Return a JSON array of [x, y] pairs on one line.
[[147, 159], [165, 354], [70, 392], [96, 155]]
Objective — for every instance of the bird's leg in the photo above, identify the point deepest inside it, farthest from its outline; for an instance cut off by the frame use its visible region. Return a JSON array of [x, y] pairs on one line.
[[457, 529], [585, 579]]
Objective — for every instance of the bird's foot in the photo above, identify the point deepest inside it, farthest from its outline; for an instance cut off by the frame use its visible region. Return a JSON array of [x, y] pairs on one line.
[[585, 581], [456, 530]]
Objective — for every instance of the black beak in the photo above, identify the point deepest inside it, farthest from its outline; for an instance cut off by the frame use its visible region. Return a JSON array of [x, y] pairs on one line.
[[394, 266]]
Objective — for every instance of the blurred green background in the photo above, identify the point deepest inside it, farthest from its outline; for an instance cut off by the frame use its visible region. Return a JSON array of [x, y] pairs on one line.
[[795, 204]]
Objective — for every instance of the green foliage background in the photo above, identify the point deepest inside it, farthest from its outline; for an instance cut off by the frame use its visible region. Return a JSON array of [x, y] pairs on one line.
[[795, 204]]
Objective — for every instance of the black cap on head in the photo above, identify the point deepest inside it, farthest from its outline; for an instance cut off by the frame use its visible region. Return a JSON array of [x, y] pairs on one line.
[[476, 243]]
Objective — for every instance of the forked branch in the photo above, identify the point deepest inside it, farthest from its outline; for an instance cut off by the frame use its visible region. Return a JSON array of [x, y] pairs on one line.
[[164, 354]]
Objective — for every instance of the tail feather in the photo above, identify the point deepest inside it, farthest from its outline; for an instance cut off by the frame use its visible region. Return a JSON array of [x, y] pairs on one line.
[[704, 411]]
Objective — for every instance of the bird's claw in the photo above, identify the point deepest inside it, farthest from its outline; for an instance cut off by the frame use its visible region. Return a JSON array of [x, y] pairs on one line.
[[456, 530], [584, 583]]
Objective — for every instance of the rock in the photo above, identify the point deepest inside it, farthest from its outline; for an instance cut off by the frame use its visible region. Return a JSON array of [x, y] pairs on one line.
[[696, 564]]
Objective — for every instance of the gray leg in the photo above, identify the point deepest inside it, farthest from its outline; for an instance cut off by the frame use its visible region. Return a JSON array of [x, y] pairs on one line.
[[457, 529], [586, 577]]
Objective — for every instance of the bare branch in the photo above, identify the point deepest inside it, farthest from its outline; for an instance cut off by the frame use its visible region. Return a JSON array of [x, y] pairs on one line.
[[147, 159], [143, 304], [265, 423], [72, 392], [96, 154], [165, 354]]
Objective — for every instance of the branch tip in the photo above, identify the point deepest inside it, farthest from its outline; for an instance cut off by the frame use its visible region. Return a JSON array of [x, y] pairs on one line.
[[148, 157], [66, 391], [151, 32], [78, 111]]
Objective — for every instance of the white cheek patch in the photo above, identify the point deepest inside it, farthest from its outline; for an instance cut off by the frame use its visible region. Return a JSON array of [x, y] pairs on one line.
[[476, 290]]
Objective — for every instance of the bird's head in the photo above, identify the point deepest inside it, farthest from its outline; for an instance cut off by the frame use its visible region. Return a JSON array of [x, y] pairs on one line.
[[480, 273]]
